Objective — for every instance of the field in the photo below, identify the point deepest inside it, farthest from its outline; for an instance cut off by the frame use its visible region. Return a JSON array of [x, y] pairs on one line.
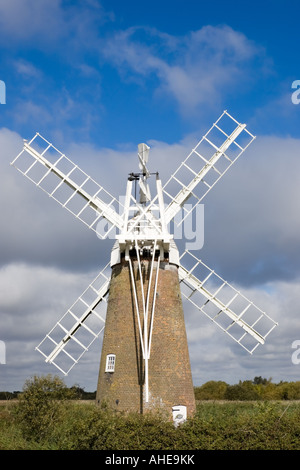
[[217, 425]]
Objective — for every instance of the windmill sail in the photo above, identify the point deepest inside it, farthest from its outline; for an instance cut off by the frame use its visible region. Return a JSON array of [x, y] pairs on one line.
[[65, 182], [75, 332], [243, 321], [218, 149]]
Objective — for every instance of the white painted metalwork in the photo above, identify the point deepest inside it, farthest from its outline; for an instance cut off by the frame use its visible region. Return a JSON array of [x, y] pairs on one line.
[[223, 304], [146, 317], [217, 154], [146, 224], [75, 332], [65, 182]]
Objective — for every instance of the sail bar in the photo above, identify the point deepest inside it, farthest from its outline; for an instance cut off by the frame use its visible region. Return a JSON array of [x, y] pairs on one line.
[[228, 308], [217, 155], [65, 182], [75, 332]]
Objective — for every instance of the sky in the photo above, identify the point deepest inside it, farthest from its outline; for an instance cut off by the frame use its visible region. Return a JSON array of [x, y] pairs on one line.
[[96, 78]]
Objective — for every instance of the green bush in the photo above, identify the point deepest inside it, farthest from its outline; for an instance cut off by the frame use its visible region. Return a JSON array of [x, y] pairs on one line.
[[258, 389], [45, 418], [211, 390], [103, 429], [242, 391], [41, 406], [215, 426]]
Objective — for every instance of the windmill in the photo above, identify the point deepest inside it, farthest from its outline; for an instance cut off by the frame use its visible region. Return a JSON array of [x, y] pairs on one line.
[[136, 298]]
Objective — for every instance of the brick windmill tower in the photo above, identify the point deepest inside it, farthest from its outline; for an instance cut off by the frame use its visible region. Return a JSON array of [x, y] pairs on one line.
[[145, 361]]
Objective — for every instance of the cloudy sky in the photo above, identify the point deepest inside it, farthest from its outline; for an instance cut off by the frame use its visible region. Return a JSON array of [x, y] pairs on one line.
[[97, 77]]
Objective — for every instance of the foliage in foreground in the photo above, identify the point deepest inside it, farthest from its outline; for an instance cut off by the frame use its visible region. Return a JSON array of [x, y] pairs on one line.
[[44, 417]]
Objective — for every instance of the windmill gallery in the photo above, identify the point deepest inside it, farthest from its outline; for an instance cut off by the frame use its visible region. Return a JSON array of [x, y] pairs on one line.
[[137, 298]]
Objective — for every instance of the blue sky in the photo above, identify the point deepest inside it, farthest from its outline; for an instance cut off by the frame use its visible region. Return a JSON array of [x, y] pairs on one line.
[[113, 72], [98, 77]]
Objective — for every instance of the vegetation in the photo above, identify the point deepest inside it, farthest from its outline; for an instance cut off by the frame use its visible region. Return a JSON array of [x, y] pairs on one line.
[[46, 416], [258, 389]]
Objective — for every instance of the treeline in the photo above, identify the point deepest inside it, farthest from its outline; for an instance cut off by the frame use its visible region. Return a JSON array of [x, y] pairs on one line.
[[257, 389], [78, 393]]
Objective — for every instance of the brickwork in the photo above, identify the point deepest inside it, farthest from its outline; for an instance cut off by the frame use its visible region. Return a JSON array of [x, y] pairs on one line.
[[170, 380]]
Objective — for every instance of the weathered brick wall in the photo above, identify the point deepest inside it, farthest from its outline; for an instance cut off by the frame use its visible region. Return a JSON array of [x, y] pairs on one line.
[[170, 380]]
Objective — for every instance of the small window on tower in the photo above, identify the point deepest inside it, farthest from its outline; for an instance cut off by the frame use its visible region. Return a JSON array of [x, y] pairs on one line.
[[110, 363]]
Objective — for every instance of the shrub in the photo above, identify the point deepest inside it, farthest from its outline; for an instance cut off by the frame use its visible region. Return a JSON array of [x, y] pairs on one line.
[[104, 429], [242, 391], [211, 390], [41, 406]]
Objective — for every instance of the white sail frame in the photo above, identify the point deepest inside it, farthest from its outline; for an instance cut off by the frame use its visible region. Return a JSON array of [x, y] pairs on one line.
[[61, 335], [229, 303], [65, 182], [213, 152]]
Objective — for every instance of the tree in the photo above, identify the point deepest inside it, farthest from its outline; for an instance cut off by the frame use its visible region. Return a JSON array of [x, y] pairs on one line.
[[212, 390], [41, 405], [242, 391], [260, 381]]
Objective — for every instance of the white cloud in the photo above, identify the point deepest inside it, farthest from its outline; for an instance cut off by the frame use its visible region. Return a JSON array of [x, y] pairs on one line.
[[50, 22], [34, 228], [32, 300], [195, 69], [29, 18], [26, 69], [254, 209], [274, 359]]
